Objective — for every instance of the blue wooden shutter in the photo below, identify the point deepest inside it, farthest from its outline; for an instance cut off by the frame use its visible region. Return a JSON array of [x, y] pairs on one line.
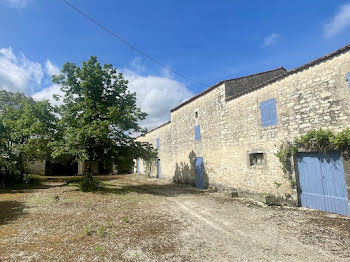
[[157, 142], [197, 133], [158, 169], [268, 112], [200, 180], [348, 77]]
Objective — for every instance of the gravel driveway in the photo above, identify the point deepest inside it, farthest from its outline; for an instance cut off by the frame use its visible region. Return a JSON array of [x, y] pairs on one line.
[[142, 219]]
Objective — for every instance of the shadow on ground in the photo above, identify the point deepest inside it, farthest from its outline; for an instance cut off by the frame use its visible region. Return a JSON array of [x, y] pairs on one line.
[[68, 178], [166, 190], [24, 189], [10, 210]]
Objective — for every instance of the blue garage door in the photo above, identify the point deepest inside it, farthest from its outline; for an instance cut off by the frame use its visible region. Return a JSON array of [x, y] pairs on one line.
[[199, 172], [322, 182], [158, 168]]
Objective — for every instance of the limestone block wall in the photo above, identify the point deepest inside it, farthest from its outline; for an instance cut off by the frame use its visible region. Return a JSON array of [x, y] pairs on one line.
[[165, 152], [209, 110], [92, 166], [315, 97], [37, 167]]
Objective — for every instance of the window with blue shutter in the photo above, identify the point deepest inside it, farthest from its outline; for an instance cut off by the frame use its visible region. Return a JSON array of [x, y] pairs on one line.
[[268, 112], [197, 133], [157, 142], [348, 77]]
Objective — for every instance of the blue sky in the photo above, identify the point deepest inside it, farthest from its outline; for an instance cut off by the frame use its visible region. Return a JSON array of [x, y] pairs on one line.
[[208, 41]]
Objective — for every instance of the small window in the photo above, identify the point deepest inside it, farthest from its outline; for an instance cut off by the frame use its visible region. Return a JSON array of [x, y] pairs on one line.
[[256, 159], [197, 133], [196, 114], [268, 112], [158, 142]]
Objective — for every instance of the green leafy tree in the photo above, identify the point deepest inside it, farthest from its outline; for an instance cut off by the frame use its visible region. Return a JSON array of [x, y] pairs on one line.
[[98, 114], [27, 128]]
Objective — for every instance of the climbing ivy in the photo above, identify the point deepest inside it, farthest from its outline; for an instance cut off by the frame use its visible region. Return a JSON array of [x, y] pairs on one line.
[[314, 140]]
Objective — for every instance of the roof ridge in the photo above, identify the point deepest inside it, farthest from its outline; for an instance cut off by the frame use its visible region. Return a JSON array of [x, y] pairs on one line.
[[154, 129], [293, 71], [219, 83], [256, 74]]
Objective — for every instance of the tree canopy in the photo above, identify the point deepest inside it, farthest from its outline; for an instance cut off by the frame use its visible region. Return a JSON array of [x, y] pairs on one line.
[[96, 120], [98, 114], [27, 128]]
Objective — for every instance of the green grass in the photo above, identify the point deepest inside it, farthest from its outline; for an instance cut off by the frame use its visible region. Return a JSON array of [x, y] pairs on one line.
[[41, 201], [98, 249], [127, 219], [87, 230], [277, 184], [101, 231]]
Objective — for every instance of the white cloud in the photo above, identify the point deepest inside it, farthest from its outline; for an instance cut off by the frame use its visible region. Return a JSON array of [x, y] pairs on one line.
[[51, 69], [156, 95], [339, 22], [16, 3], [270, 39], [47, 94], [136, 65], [17, 73]]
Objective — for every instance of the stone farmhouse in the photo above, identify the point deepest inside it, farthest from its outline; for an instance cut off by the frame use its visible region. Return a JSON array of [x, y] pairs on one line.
[[226, 137]]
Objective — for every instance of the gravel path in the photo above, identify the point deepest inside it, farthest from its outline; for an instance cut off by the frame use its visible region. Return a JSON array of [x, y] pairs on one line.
[[143, 219]]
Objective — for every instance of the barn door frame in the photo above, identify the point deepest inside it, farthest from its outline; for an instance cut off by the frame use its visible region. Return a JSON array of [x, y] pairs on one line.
[[297, 174], [200, 178]]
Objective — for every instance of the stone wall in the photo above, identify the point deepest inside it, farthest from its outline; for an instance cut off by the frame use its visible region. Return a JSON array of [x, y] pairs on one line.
[[315, 97], [165, 152], [37, 167], [91, 166]]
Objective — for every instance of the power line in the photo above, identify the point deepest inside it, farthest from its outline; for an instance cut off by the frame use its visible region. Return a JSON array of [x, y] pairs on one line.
[[128, 44]]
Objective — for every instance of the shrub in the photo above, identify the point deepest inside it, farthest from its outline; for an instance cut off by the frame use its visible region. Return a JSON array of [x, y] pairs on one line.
[[88, 183], [31, 180], [313, 141]]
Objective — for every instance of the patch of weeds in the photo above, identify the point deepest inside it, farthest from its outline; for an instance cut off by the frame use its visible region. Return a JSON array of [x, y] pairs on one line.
[[293, 183], [277, 184], [109, 224], [87, 230], [112, 235], [98, 249], [39, 201], [31, 180], [68, 200], [135, 197], [127, 219], [116, 191], [109, 183], [101, 231], [73, 181]]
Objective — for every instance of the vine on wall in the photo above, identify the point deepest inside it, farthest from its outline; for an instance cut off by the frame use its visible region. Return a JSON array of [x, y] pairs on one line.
[[313, 141]]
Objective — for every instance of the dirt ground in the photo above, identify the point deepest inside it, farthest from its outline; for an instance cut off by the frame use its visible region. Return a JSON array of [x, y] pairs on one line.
[[143, 219]]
